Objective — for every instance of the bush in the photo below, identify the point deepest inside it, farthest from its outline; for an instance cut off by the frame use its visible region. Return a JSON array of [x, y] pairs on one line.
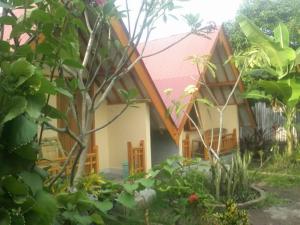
[[232, 215]]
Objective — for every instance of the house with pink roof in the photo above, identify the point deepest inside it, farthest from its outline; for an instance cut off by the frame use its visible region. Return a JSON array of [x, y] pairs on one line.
[[147, 134], [173, 70]]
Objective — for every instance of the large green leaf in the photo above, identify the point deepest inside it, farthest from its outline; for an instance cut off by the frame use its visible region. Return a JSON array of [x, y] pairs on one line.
[[28, 152], [17, 189], [280, 58], [130, 188], [281, 91], [21, 70], [44, 211], [7, 20], [257, 95], [33, 180], [97, 219], [35, 103], [282, 35], [104, 206], [11, 107], [19, 131], [126, 200], [294, 84], [147, 182], [54, 113]]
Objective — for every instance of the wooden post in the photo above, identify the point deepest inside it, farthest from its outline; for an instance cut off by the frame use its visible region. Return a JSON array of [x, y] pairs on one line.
[[187, 153], [97, 166], [143, 156], [130, 155]]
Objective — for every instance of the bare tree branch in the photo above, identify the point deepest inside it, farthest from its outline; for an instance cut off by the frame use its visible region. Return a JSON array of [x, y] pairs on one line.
[[109, 122], [63, 168]]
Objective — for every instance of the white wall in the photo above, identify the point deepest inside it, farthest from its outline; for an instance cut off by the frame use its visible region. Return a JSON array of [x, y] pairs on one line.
[[133, 125], [210, 118]]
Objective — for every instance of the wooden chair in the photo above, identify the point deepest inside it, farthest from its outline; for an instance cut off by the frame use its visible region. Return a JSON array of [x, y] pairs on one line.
[[136, 158]]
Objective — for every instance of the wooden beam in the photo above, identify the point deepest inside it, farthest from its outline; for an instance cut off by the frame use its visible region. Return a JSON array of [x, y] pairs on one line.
[[143, 75], [225, 43], [224, 71]]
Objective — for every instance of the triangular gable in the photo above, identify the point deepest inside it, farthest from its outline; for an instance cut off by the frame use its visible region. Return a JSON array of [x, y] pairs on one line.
[[143, 75], [171, 69]]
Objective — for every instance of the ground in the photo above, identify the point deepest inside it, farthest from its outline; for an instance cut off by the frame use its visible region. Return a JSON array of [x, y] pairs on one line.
[[283, 207]]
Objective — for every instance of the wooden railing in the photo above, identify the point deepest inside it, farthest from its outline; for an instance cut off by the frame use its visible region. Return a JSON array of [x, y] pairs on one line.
[[136, 158], [186, 149], [55, 165], [228, 142]]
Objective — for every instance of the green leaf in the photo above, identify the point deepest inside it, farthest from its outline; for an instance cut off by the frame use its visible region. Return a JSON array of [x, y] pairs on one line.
[[126, 200], [44, 48], [294, 84], [16, 189], [19, 131], [22, 70], [54, 113], [97, 219], [147, 182], [47, 87], [255, 94], [35, 103], [130, 188], [278, 90], [28, 152], [33, 180], [205, 101], [64, 92], [82, 220], [11, 107], [104, 206], [4, 216], [4, 47], [44, 211], [39, 15], [17, 219], [7, 20], [73, 63], [281, 35], [280, 58]]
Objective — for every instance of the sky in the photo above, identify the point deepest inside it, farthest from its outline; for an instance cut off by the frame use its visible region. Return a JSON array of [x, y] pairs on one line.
[[209, 10]]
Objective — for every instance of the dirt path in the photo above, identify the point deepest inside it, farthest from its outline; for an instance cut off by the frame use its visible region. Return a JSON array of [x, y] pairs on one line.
[[287, 213]]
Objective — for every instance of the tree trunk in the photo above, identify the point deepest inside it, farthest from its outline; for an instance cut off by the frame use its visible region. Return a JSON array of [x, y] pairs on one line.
[[290, 114], [289, 141], [87, 141]]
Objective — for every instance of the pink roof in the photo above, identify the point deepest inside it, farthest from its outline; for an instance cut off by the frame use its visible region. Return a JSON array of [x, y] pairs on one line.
[[171, 69]]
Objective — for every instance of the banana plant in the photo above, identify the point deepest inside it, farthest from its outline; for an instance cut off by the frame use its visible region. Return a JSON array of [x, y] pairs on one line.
[[278, 67]]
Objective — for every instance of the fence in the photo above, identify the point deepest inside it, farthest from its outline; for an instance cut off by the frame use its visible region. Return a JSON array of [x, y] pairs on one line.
[[55, 165], [270, 123]]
